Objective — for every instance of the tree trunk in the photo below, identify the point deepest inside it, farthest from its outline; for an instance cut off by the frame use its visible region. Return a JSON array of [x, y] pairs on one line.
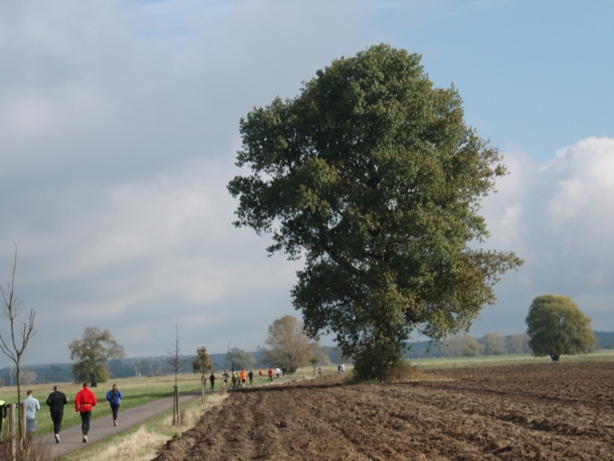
[[22, 421], [12, 431], [18, 376], [176, 416]]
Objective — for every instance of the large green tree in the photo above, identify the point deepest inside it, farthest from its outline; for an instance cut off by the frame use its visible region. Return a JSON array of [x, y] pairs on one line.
[[372, 175], [91, 354], [556, 326]]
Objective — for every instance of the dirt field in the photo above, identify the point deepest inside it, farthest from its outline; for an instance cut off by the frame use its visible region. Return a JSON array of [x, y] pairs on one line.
[[557, 411]]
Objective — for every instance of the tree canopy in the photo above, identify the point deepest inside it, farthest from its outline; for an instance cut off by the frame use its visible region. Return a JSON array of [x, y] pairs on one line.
[[91, 354], [462, 346], [288, 345], [518, 344], [493, 344], [202, 362], [373, 177], [556, 326], [240, 360]]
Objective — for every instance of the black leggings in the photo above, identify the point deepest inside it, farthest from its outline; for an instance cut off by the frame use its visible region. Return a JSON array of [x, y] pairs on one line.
[[85, 421], [57, 417], [114, 409]]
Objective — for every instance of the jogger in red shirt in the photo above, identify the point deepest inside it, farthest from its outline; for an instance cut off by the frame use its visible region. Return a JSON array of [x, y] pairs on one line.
[[84, 403]]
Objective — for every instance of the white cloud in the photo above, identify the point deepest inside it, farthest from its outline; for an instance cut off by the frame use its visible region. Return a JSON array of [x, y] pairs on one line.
[[118, 132], [587, 181], [557, 217]]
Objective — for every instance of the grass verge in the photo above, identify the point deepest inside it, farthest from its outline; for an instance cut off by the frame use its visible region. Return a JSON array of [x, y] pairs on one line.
[[137, 391], [142, 442], [509, 359]]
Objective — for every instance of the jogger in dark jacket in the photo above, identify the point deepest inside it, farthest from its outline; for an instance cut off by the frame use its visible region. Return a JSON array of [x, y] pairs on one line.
[[56, 402]]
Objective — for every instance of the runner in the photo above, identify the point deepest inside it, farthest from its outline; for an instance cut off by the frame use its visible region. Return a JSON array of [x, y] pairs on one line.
[[212, 381], [114, 396], [84, 403], [56, 401], [32, 406]]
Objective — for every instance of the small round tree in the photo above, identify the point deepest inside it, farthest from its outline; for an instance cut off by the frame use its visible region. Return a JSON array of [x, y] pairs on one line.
[[556, 326], [202, 363]]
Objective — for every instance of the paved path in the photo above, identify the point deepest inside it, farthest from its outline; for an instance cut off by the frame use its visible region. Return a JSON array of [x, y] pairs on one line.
[[71, 437]]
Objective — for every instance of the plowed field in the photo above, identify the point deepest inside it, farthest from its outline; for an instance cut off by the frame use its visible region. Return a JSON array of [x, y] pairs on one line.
[[555, 411]]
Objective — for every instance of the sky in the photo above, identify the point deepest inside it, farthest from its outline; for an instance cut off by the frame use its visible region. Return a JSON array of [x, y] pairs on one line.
[[119, 127]]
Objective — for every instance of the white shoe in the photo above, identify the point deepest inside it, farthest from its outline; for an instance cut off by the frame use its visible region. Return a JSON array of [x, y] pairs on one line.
[[115, 423], [85, 439], [57, 438]]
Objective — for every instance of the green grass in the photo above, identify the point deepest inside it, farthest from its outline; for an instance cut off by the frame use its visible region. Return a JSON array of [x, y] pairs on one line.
[[136, 391], [509, 359]]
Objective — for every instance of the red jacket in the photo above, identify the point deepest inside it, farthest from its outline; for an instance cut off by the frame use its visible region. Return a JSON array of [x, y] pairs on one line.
[[86, 400]]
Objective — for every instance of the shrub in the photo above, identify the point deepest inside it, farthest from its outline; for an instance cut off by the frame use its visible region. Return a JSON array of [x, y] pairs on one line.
[[30, 450]]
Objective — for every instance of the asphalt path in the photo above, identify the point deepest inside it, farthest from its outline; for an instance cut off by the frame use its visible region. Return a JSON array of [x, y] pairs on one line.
[[71, 438]]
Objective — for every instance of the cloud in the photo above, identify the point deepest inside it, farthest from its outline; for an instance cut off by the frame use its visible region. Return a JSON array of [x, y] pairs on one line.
[[587, 184], [117, 146], [119, 125], [557, 217]]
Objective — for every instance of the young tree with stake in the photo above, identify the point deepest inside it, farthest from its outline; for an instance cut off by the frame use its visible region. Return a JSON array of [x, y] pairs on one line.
[[202, 364], [14, 344]]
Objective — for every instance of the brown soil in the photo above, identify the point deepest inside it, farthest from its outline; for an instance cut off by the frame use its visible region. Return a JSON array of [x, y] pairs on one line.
[[557, 411]]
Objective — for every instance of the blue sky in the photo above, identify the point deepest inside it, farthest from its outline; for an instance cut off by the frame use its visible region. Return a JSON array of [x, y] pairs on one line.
[[119, 128]]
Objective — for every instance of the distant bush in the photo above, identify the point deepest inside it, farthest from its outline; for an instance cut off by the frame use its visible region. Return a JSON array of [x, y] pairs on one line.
[[518, 344], [493, 344], [462, 346]]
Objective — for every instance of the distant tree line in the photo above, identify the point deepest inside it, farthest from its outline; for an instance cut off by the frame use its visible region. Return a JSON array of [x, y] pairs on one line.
[[489, 344], [468, 346]]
